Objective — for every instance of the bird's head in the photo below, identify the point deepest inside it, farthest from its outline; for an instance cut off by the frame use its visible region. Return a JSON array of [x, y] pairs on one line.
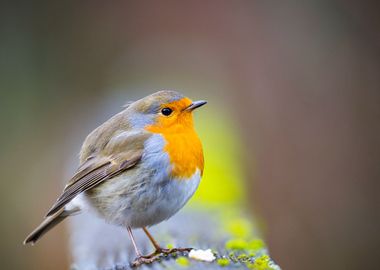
[[163, 111]]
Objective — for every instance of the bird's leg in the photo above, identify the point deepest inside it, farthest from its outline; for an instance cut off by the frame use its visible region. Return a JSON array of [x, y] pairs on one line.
[[159, 249], [154, 242], [140, 258]]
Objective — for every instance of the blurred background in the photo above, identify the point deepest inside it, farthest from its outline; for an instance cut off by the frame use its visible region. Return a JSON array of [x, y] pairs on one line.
[[295, 83]]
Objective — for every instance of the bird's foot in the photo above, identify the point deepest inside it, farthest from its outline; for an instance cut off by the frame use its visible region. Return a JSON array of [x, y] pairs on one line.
[[147, 259]]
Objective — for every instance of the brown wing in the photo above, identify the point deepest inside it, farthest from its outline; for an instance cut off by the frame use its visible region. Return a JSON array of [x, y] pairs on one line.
[[121, 153], [87, 180]]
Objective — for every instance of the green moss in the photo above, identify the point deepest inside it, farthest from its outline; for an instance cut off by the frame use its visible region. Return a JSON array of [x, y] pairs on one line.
[[250, 247], [243, 257], [232, 257], [256, 244], [182, 261], [223, 261], [236, 244], [260, 263]]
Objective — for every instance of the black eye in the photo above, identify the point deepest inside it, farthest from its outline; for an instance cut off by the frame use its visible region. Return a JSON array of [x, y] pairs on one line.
[[166, 111]]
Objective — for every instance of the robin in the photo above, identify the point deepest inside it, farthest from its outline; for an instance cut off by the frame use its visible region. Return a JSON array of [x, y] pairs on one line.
[[137, 169]]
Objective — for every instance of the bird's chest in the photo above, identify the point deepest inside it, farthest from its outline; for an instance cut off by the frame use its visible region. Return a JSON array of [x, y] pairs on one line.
[[185, 154], [176, 156]]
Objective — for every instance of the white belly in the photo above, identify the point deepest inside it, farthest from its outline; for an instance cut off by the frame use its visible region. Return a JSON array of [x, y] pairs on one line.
[[155, 203]]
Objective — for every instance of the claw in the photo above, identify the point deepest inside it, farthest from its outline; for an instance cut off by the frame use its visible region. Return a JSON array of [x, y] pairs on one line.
[[144, 260], [148, 259]]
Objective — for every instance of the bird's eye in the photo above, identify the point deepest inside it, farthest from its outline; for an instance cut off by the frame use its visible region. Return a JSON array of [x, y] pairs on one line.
[[166, 111]]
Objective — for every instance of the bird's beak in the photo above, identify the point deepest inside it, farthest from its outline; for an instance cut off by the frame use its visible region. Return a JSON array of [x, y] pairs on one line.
[[195, 104]]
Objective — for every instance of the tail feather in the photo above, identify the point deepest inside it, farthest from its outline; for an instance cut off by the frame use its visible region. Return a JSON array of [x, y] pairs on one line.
[[46, 225]]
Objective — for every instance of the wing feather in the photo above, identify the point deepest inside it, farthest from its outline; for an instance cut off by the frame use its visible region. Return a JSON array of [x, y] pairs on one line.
[[122, 153]]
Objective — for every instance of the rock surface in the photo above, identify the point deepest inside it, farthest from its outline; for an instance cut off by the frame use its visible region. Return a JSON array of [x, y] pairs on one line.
[[232, 238]]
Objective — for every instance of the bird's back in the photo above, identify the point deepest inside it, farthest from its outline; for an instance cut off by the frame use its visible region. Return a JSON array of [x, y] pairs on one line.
[[99, 137]]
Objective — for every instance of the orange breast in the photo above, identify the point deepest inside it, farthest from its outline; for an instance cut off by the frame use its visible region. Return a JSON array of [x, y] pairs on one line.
[[185, 152], [183, 147]]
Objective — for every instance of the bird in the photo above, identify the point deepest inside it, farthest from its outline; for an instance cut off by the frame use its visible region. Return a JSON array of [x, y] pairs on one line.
[[136, 170]]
